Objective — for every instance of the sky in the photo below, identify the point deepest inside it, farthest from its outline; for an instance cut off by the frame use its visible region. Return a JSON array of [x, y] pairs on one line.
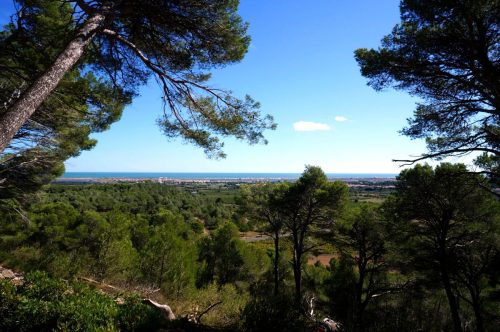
[[300, 66]]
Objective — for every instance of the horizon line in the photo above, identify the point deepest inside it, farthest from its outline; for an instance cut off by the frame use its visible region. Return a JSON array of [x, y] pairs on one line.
[[230, 172]]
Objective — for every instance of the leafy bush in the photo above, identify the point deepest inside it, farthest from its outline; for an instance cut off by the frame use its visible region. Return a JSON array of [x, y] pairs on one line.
[[136, 316], [87, 310], [8, 304], [46, 304]]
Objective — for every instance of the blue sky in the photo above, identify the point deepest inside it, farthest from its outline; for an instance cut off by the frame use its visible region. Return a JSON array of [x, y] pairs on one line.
[[300, 66]]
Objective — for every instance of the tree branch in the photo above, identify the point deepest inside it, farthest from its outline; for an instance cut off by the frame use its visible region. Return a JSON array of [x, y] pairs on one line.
[[89, 10], [450, 152], [198, 319]]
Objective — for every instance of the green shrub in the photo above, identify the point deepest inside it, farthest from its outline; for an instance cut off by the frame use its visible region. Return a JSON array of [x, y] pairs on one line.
[[38, 298], [38, 285], [136, 316], [87, 310], [8, 305], [43, 303]]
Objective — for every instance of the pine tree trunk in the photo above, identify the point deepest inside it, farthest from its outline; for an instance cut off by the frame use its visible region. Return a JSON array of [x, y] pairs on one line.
[[276, 261], [358, 302], [452, 301], [17, 114], [476, 303], [297, 274]]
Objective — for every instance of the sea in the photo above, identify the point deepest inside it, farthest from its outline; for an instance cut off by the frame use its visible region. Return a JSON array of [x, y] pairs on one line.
[[216, 176]]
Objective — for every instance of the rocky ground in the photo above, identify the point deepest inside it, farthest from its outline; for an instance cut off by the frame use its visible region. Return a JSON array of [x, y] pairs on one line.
[[14, 277]]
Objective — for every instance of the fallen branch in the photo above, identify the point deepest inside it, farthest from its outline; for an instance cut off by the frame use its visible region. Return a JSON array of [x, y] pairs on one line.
[[198, 318], [95, 282], [163, 308]]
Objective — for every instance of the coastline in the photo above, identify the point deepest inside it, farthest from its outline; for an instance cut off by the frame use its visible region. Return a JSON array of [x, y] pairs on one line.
[[235, 178]]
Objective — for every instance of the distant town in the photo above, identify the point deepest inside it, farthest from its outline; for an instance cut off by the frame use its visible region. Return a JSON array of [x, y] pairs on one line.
[[352, 182]]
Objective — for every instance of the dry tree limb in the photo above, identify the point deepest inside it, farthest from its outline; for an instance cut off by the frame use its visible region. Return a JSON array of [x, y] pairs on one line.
[[210, 307], [163, 308]]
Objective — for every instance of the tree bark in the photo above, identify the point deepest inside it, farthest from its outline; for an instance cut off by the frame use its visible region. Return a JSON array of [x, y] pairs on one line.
[[358, 302], [17, 114], [478, 312], [276, 261], [452, 301], [444, 272], [298, 283], [297, 274]]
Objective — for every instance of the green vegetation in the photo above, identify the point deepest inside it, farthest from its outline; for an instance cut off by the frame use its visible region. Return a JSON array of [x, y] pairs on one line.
[[82, 104], [448, 54], [68, 69], [46, 304], [124, 44], [425, 259], [138, 236], [442, 219], [418, 254]]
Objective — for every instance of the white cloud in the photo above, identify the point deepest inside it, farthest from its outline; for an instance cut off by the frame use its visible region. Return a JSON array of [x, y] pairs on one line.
[[340, 118], [310, 126]]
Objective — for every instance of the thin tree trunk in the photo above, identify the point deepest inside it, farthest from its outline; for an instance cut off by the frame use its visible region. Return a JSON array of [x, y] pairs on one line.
[[445, 278], [276, 261], [452, 301], [17, 114], [358, 302], [297, 275], [478, 313], [298, 282]]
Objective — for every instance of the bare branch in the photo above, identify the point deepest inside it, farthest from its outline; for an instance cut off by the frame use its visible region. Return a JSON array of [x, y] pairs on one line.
[[89, 10], [207, 310], [455, 152]]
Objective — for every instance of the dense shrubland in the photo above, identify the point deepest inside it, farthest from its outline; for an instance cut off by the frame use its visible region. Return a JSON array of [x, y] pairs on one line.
[[42, 303], [183, 247], [140, 237]]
